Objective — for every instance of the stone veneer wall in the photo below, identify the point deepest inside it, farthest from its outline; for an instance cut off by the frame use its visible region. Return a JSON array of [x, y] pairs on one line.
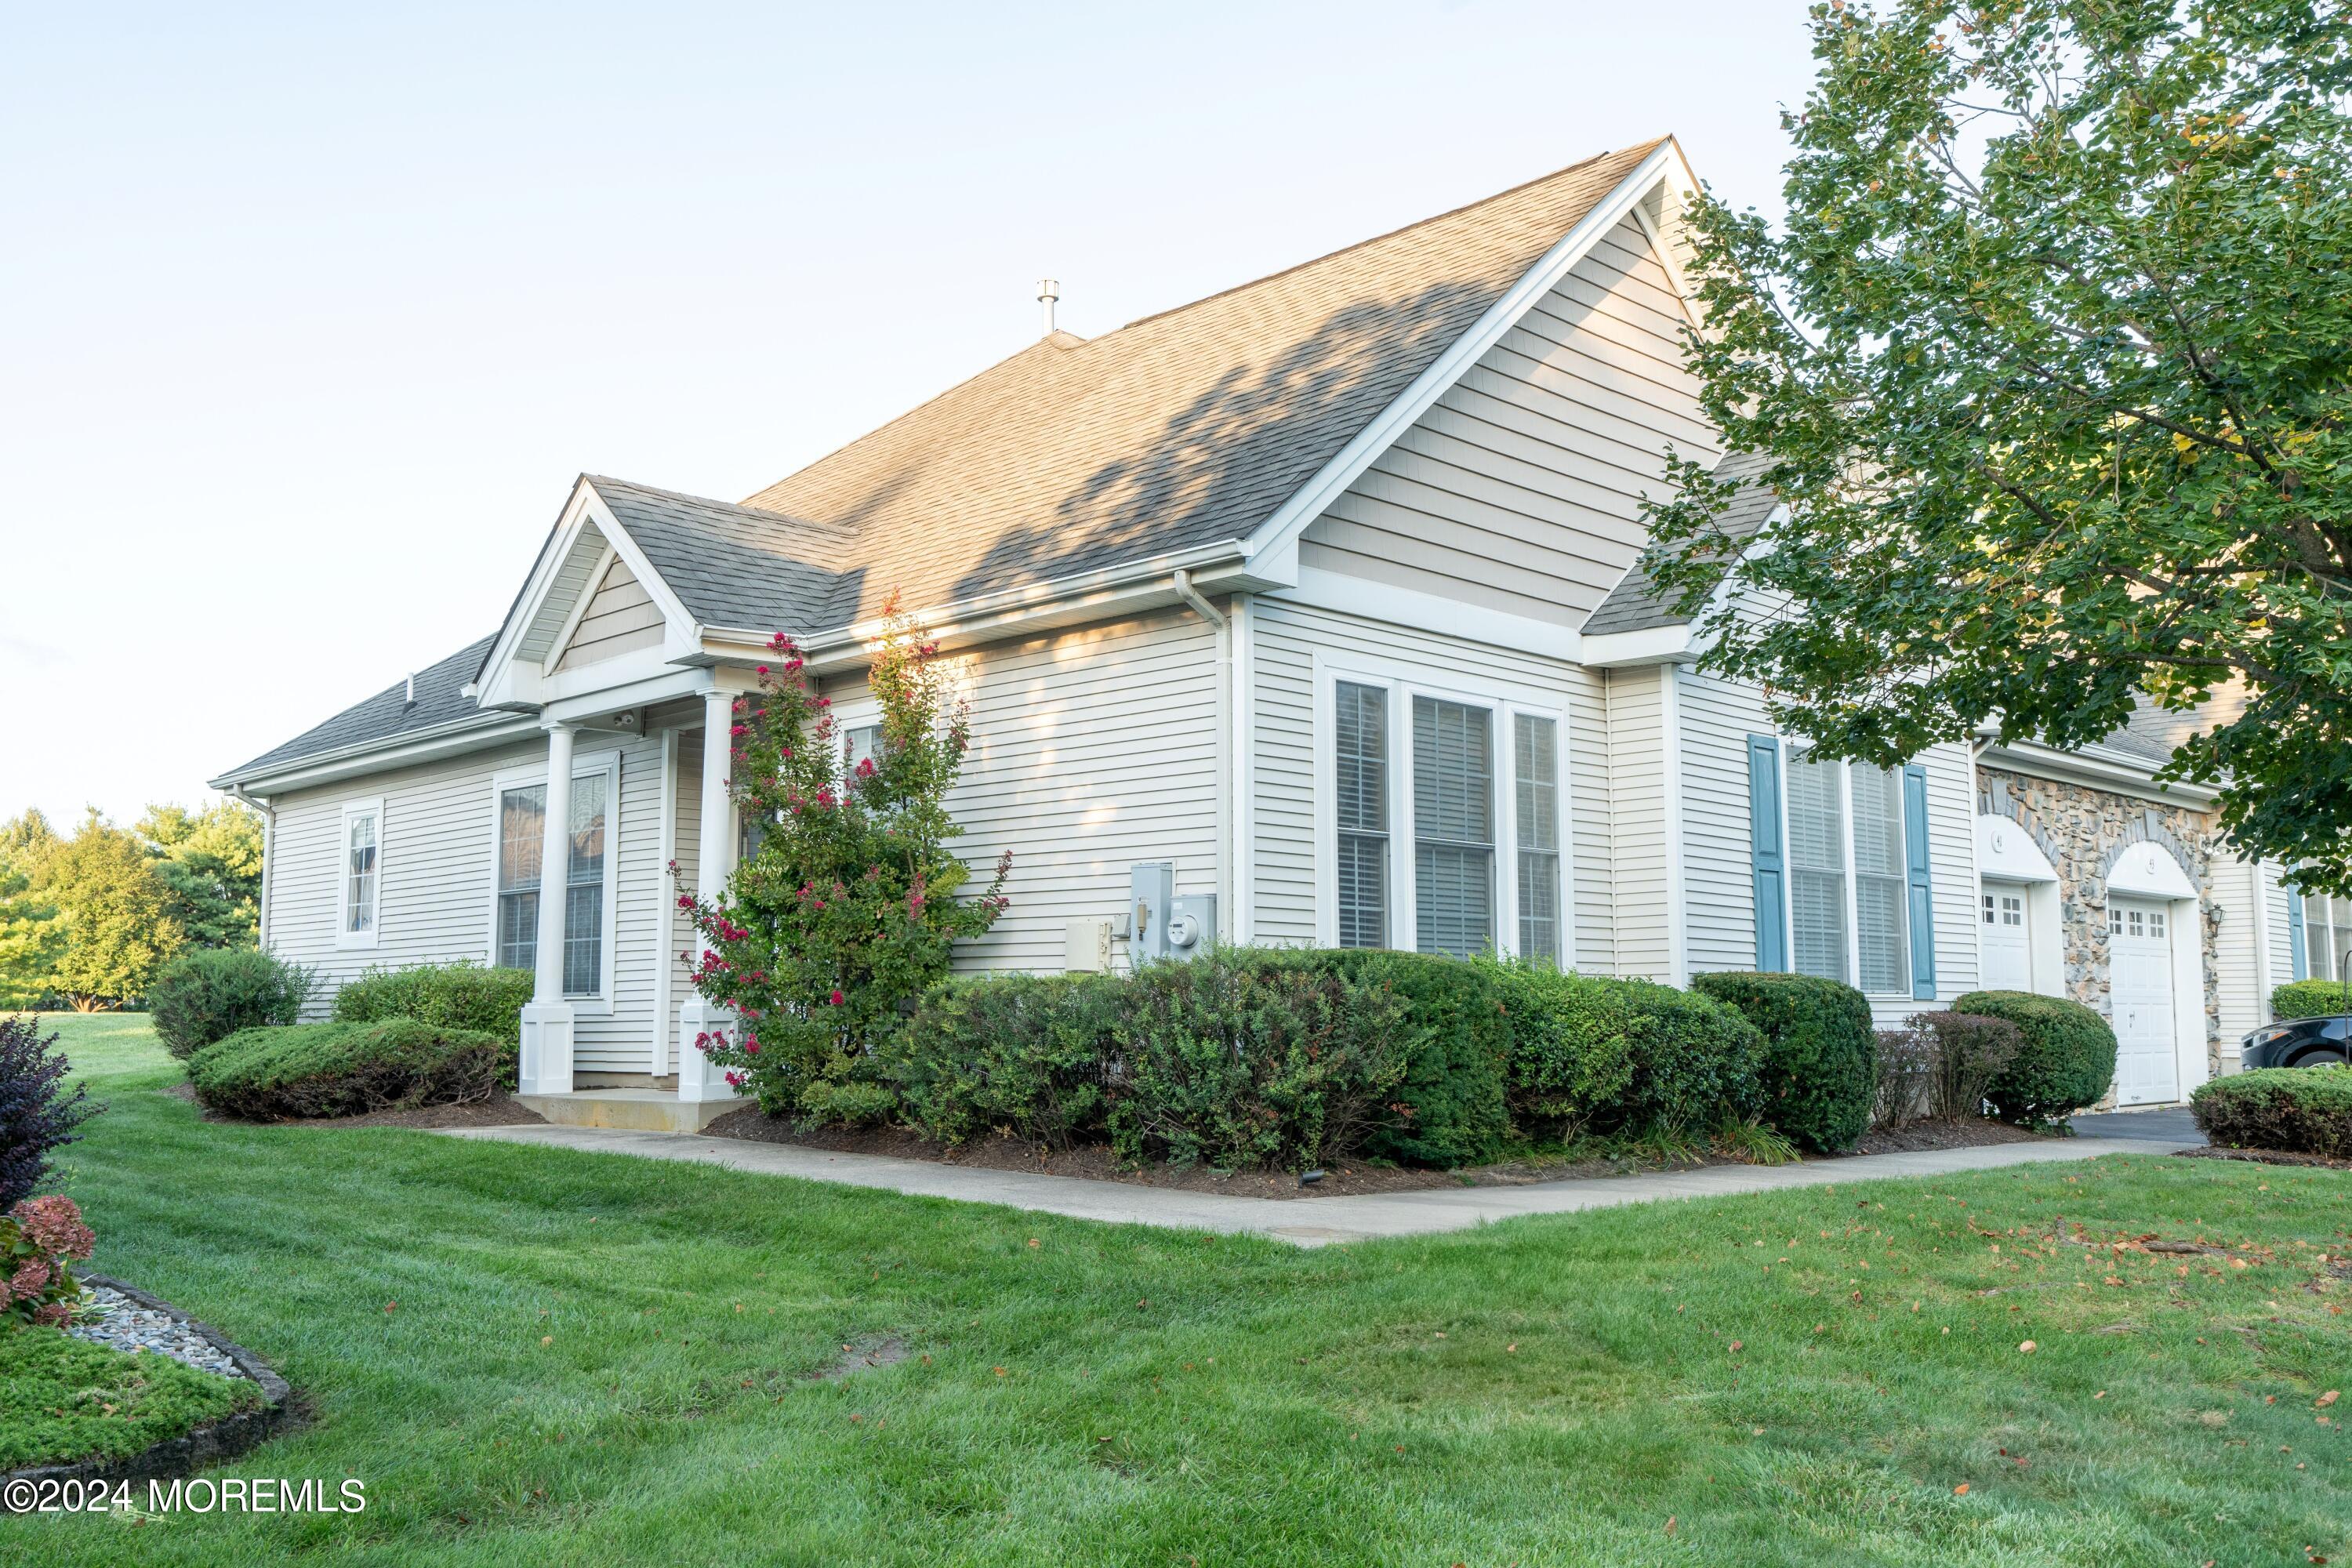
[[2083, 830]]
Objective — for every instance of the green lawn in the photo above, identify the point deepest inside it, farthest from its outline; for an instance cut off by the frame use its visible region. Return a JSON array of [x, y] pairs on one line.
[[535, 1356]]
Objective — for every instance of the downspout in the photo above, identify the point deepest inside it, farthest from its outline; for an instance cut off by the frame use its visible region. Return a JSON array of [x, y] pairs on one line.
[[268, 857], [1233, 632]]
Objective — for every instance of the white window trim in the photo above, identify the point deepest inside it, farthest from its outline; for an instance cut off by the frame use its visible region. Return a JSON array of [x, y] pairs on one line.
[[344, 936], [1404, 680], [584, 764], [1789, 749]]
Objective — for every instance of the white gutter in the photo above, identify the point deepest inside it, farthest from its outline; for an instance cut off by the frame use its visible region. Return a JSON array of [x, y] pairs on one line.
[[268, 856]]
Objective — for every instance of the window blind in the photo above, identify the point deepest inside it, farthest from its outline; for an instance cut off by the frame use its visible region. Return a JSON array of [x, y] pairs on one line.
[[1816, 870], [1361, 788], [1454, 826], [1881, 874], [1535, 753]]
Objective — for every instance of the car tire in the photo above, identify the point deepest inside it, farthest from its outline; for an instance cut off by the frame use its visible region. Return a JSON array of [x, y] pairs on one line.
[[2318, 1060]]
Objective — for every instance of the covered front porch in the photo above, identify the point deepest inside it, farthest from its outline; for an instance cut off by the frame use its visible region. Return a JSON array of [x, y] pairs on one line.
[[597, 1050]]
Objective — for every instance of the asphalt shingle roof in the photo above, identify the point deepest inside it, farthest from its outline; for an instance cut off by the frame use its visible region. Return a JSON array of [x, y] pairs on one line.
[[386, 716], [731, 565], [1634, 606]]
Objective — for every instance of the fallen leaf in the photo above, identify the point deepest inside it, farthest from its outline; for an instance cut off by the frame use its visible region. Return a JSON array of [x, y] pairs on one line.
[[547, 1339], [2324, 1400], [2026, 1349], [1736, 1347], [1960, 1491], [1670, 1530], [388, 1305]]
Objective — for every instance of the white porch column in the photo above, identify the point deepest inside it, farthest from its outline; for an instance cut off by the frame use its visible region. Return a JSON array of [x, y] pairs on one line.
[[699, 1079], [546, 1067]]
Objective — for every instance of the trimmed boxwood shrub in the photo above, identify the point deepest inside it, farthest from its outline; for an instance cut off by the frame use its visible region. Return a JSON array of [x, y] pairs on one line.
[[1456, 1030], [1027, 1053], [1820, 1071], [2308, 999], [1254, 1057], [2066, 1062], [460, 996], [2307, 1110], [210, 993], [346, 1069], [1597, 1055]]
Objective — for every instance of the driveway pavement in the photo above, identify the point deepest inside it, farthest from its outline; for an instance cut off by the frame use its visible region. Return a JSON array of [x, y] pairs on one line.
[[1305, 1222], [2172, 1126]]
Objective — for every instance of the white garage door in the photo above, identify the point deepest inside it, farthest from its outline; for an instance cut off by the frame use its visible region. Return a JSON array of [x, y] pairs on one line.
[[2139, 979], [2006, 952]]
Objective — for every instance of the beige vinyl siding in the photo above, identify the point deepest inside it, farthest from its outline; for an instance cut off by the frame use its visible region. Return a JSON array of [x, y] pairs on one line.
[[434, 897], [619, 618], [1091, 750], [1520, 489], [1719, 844], [1638, 846], [1286, 764], [2236, 897]]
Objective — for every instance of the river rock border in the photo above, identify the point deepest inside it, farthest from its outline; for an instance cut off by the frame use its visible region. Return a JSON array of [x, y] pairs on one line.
[[206, 1445]]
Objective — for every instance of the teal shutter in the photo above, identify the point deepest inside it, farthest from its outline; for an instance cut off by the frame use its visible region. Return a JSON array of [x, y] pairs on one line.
[[2298, 961], [1764, 840], [1923, 905]]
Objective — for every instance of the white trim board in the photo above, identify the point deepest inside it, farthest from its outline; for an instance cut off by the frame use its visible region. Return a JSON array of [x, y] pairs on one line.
[[345, 938]]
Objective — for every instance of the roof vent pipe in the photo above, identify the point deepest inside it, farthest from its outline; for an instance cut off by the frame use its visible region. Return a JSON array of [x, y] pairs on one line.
[[1048, 291], [412, 692]]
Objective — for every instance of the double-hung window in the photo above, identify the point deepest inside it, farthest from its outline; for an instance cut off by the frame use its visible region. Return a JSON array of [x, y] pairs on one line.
[[1857, 875], [1817, 868], [1426, 849], [587, 883], [359, 895], [2326, 933]]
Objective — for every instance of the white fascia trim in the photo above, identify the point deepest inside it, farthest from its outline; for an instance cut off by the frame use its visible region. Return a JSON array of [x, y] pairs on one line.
[[2099, 766], [1095, 595], [563, 638], [1651, 645], [505, 676], [1417, 611], [1311, 500], [471, 734]]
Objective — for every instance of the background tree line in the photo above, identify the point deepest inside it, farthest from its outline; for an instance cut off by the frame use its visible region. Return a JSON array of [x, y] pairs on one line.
[[86, 920]]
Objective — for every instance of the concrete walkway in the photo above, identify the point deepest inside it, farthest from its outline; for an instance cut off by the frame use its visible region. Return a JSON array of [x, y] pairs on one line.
[[1308, 1222]]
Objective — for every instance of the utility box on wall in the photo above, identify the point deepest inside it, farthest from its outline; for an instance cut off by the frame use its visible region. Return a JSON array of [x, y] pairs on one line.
[[1086, 946], [1160, 924]]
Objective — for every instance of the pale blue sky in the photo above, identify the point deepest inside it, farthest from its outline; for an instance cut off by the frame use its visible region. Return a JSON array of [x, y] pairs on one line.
[[309, 315]]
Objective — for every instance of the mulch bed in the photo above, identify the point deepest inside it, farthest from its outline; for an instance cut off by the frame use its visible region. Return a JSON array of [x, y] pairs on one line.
[[2266, 1157], [1097, 1162], [499, 1110]]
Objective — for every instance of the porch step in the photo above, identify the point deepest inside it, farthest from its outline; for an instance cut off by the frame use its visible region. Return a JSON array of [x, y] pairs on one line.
[[638, 1109]]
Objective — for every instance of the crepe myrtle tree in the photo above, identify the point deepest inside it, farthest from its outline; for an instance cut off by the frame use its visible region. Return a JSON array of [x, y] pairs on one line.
[[846, 908], [2049, 362]]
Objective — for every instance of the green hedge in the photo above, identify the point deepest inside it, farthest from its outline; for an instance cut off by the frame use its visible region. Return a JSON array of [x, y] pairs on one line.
[[1819, 1070], [1457, 1035], [1026, 1053], [1255, 1057], [1602, 1057], [209, 993], [460, 996], [2308, 999], [346, 1069], [2306, 1109], [2067, 1061]]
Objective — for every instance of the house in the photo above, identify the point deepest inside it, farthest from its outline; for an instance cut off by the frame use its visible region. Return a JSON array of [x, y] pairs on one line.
[[1321, 590]]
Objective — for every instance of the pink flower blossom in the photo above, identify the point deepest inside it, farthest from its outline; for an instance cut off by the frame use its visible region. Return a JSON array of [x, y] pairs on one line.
[[53, 1224], [836, 997]]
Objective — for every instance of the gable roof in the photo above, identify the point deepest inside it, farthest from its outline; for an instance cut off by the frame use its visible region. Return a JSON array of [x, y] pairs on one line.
[[729, 565], [1185, 428], [1632, 605], [387, 716]]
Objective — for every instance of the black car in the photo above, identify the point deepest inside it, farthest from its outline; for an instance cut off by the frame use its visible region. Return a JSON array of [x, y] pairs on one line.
[[2298, 1043]]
